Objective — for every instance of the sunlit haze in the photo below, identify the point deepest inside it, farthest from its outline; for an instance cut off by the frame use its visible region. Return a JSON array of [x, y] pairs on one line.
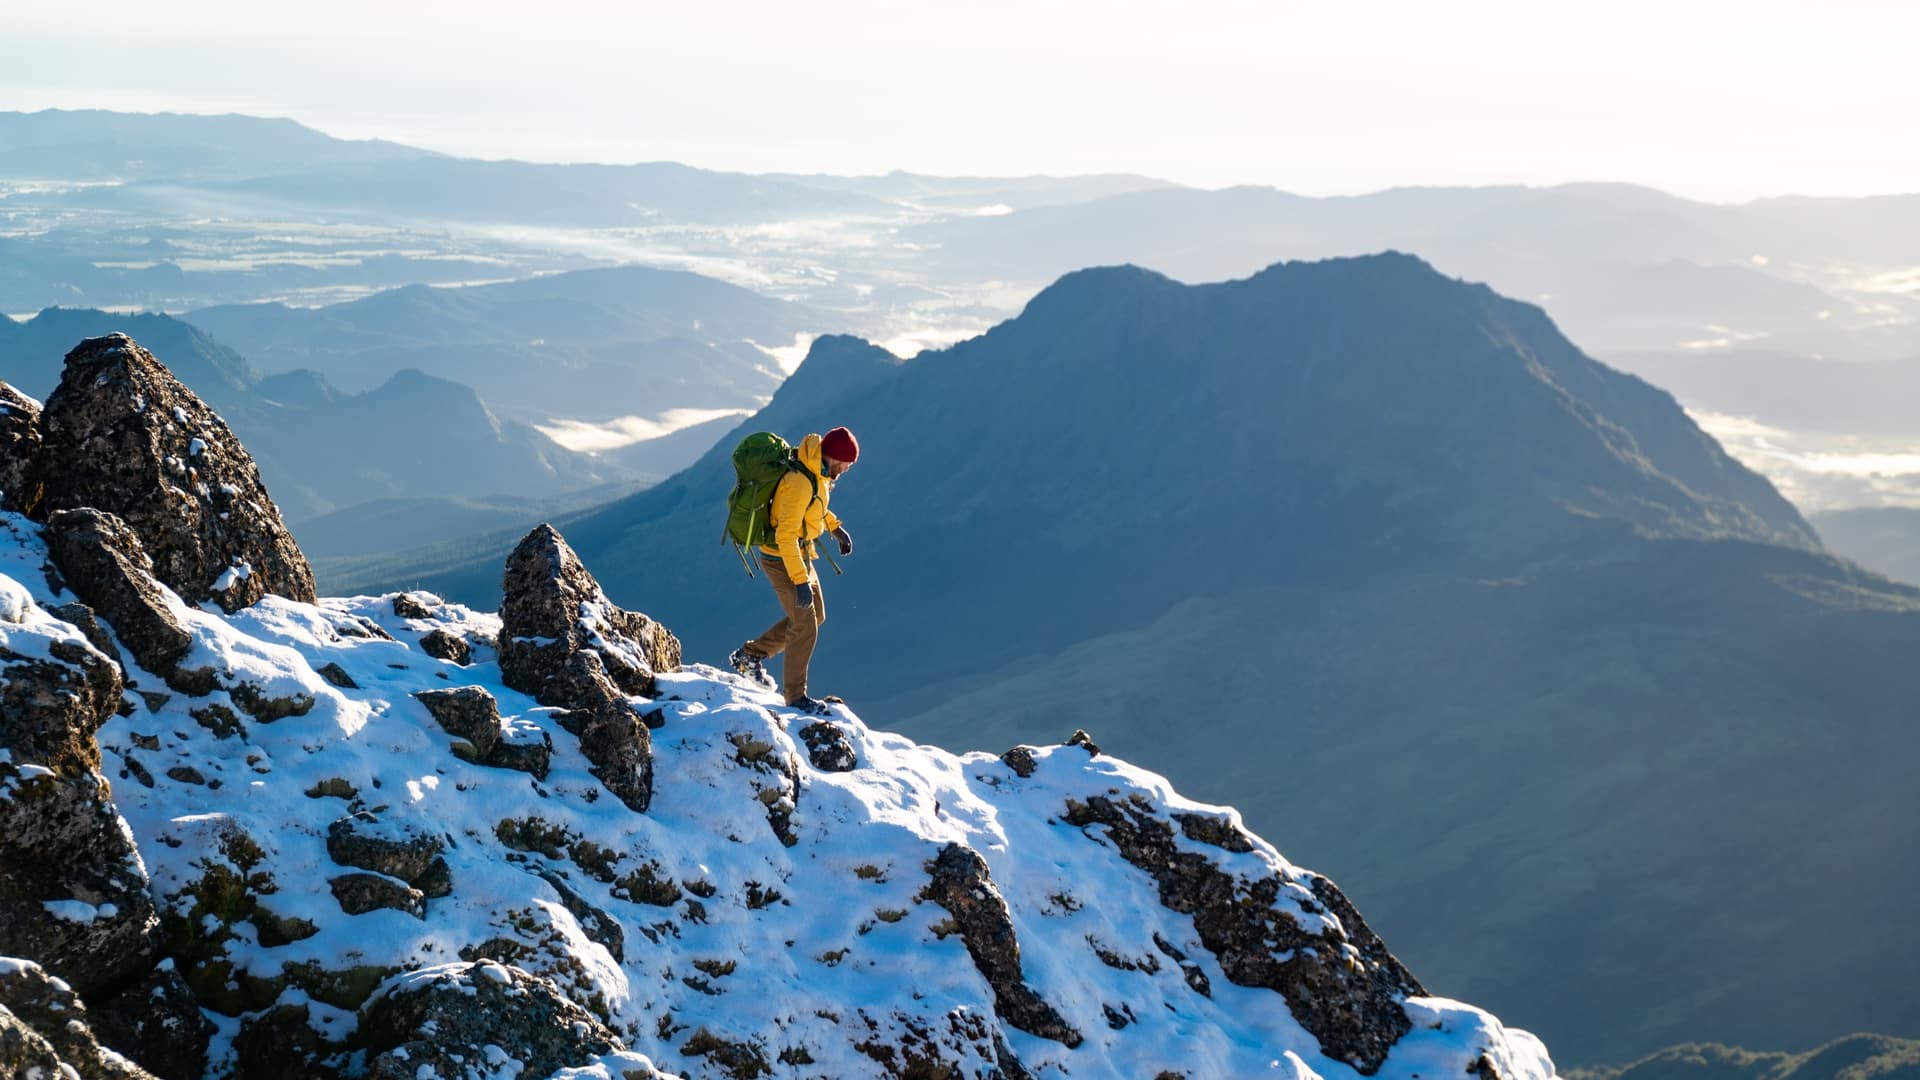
[[1715, 100]]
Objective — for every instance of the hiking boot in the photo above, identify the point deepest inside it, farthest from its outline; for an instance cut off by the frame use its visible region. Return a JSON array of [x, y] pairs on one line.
[[812, 706], [753, 668]]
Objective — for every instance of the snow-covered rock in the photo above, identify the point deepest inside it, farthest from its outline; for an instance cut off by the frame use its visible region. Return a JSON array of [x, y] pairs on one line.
[[793, 901], [562, 641], [120, 434], [45, 1032], [19, 450]]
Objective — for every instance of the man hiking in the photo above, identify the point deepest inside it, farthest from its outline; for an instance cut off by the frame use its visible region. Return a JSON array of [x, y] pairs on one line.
[[799, 516]]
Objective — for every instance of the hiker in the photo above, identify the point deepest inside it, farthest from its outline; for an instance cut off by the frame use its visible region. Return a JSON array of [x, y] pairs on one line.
[[799, 516]]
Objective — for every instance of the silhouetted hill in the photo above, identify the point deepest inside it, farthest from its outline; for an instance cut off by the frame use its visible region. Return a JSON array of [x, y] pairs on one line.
[[91, 144]]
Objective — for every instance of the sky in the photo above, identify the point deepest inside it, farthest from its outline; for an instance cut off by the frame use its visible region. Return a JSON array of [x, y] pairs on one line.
[[1715, 100]]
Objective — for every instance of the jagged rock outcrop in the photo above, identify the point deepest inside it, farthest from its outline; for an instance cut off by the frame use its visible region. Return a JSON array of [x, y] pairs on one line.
[[44, 1030], [1338, 978], [433, 1019], [134, 442], [961, 885], [101, 559], [563, 642], [553, 610], [19, 451]]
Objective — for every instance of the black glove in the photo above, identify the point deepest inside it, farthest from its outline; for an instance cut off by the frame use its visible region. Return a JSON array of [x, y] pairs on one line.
[[803, 593], [846, 540]]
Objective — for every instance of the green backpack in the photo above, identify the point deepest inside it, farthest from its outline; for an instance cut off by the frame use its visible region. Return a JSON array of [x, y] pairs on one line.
[[759, 462]]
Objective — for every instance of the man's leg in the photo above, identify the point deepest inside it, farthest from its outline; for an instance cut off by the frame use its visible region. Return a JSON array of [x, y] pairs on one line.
[[803, 631], [775, 640]]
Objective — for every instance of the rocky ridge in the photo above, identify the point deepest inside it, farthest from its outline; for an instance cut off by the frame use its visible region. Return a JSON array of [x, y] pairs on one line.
[[335, 845]]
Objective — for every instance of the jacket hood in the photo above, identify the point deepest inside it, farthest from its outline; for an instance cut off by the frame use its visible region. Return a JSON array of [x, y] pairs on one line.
[[810, 455]]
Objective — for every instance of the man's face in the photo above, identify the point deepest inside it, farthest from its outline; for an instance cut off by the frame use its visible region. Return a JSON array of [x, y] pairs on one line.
[[836, 467]]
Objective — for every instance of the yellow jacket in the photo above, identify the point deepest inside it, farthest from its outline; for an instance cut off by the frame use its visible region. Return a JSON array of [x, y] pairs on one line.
[[799, 518]]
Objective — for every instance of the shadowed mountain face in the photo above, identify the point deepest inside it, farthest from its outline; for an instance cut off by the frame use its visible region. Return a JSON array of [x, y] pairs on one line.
[[1534, 655]]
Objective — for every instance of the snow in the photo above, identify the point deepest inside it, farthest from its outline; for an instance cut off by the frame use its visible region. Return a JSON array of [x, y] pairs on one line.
[[13, 965], [79, 911], [195, 447], [232, 576], [814, 947]]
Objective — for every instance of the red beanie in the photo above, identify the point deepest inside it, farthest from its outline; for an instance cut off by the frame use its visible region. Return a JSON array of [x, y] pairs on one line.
[[840, 445]]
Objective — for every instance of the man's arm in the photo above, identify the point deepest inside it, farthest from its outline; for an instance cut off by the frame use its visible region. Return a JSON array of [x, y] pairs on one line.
[[790, 501]]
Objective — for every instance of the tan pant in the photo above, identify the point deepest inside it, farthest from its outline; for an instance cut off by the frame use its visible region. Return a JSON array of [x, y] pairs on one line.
[[796, 633]]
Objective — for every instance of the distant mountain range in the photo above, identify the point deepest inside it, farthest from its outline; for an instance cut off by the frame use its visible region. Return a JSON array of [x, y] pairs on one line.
[[1544, 661], [1884, 539], [1627, 268], [424, 398], [585, 345], [1735, 308], [320, 449]]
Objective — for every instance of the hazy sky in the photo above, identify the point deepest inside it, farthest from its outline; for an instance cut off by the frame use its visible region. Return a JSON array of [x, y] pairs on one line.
[[1717, 100]]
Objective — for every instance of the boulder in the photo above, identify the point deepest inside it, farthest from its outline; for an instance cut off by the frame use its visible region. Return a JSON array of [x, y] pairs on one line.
[[618, 744], [828, 747], [435, 1019], [359, 894], [48, 1008], [134, 442], [471, 715], [1299, 938], [466, 712], [1021, 760], [961, 885], [563, 642], [442, 645], [73, 891], [409, 605], [103, 561], [20, 483], [282, 1042], [55, 691], [158, 1024], [402, 851]]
